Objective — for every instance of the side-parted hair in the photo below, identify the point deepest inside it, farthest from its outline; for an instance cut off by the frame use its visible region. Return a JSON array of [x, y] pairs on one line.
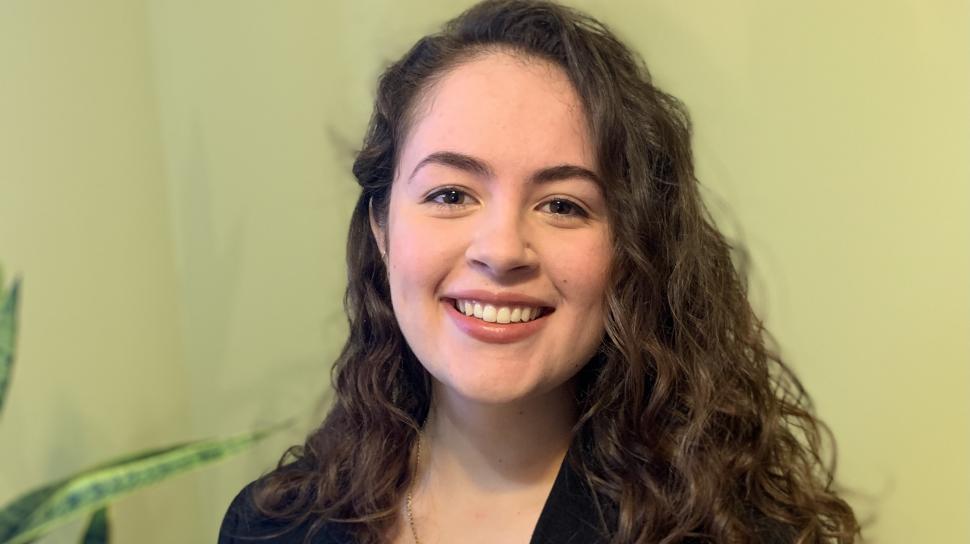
[[690, 425]]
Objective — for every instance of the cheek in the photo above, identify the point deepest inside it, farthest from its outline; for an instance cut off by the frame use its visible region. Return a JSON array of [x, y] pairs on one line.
[[419, 252], [580, 271]]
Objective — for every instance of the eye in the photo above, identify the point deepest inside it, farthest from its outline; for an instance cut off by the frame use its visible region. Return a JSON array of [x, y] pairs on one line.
[[453, 197], [565, 207], [449, 197]]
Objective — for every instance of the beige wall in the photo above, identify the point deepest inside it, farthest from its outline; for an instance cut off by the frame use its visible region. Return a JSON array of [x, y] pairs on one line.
[[84, 217], [175, 189]]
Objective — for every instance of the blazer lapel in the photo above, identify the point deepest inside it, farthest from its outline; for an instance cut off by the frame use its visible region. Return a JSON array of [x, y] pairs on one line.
[[569, 515]]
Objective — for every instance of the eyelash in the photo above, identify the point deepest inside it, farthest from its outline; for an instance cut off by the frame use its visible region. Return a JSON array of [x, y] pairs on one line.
[[579, 211]]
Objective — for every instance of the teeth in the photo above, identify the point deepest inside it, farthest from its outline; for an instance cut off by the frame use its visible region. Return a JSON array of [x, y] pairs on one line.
[[497, 314]]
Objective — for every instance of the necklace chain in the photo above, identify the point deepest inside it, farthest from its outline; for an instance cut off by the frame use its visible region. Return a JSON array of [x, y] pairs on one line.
[[417, 462]]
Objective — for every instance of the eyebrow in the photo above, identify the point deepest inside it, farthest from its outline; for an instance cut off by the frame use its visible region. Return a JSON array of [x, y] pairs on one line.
[[480, 168]]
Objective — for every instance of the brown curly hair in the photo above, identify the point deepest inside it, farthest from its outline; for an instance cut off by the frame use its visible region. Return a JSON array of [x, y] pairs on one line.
[[690, 427]]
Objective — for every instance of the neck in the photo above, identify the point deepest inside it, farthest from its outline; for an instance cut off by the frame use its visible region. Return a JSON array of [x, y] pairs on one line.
[[494, 447]]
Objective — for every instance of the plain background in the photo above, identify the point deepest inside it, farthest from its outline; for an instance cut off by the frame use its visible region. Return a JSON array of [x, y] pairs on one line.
[[175, 190]]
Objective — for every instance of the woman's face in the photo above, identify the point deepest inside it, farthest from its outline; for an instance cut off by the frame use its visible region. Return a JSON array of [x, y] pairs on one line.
[[495, 202]]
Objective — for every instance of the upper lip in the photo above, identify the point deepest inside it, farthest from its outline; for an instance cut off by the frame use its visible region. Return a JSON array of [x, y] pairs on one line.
[[505, 298]]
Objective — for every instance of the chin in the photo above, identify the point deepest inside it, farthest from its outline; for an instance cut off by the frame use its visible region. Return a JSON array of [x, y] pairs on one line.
[[487, 391]]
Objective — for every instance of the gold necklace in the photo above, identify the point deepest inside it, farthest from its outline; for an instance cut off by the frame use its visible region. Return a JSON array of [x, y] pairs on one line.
[[417, 462]]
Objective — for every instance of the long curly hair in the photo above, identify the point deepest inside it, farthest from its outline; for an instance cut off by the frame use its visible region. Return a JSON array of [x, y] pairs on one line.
[[690, 427]]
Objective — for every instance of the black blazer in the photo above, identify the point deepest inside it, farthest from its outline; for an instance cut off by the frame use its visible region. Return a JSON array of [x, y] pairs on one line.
[[568, 517]]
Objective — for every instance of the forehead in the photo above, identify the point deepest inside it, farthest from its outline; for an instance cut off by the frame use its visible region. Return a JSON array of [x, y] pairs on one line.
[[516, 113]]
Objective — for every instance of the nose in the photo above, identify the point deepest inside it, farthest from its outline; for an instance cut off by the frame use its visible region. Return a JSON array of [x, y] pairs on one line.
[[501, 244]]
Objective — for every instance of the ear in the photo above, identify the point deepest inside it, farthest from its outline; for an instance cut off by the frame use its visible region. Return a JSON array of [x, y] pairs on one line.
[[377, 231]]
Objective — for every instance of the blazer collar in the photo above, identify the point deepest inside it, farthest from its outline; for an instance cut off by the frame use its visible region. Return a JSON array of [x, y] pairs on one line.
[[570, 514]]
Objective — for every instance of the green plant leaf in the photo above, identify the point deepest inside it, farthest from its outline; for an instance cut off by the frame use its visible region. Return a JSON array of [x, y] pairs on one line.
[[99, 530], [37, 512], [8, 334]]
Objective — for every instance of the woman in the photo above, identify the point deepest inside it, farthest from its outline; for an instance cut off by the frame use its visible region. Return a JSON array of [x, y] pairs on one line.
[[548, 339]]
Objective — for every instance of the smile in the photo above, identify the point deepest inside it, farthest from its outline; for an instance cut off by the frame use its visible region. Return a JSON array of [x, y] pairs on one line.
[[495, 331], [498, 314]]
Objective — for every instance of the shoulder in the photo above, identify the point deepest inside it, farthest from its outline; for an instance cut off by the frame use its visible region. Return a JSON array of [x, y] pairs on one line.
[[243, 523], [772, 531]]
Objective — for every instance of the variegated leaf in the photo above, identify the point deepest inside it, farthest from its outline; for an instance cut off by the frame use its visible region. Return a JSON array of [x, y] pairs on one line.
[[9, 301], [37, 512], [98, 530]]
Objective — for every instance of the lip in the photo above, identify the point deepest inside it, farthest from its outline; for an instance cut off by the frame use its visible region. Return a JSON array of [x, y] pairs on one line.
[[507, 298], [493, 333]]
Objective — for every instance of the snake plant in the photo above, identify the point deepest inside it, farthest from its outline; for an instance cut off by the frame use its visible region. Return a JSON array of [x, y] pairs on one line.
[[89, 492]]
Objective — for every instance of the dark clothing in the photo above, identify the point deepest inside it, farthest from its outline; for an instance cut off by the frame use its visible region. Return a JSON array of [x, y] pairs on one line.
[[569, 516]]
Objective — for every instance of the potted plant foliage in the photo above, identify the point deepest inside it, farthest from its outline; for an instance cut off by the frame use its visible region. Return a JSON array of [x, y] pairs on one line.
[[91, 491]]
